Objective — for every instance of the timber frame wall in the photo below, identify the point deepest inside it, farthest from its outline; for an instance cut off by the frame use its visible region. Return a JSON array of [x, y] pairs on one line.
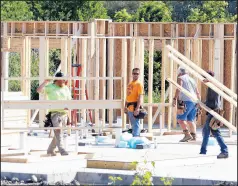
[[110, 50]]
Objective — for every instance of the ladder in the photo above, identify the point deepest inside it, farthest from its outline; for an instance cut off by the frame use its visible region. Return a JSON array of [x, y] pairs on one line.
[[76, 93]]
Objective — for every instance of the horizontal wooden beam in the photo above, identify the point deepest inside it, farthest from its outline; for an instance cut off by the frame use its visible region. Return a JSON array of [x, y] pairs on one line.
[[64, 78], [72, 104]]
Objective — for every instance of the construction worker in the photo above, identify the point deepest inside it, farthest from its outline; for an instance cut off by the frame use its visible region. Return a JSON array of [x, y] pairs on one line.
[[56, 91], [134, 101], [213, 101], [188, 114]]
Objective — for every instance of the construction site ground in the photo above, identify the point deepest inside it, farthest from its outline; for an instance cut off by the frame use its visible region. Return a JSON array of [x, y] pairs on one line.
[[180, 161]]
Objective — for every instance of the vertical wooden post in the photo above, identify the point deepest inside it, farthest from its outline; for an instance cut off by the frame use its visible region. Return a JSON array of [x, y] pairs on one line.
[[124, 80], [150, 83], [110, 74], [132, 57], [103, 74], [170, 73], [42, 54], [83, 72], [64, 53], [164, 62], [175, 67], [142, 47], [96, 95]]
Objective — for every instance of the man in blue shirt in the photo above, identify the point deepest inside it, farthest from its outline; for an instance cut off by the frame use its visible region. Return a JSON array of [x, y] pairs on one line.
[[213, 101]]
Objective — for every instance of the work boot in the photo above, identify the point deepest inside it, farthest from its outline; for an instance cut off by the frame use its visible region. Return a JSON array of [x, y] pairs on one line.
[[64, 153], [187, 136], [222, 155], [51, 153], [194, 136]]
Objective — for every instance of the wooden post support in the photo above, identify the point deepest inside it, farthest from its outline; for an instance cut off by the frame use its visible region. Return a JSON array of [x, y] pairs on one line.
[[141, 63], [150, 83], [83, 50], [164, 62], [132, 57], [124, 80], [110, 74], [96, 95], [170, 73], [103, 74]]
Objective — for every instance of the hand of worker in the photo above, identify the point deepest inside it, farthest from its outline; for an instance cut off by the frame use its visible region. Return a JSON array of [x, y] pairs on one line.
[[174, 102], [136, 112], [205, 80], [47, 81]]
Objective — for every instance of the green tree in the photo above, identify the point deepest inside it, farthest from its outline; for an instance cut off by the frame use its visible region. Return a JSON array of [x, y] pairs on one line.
[[181, 9], [92, 9], [15, 11], [122, 16], [115, 6], [14, 70], [153, 11], [211, 12]]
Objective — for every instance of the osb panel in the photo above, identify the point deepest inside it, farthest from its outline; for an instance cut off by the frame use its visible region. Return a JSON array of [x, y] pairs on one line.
[[63, 28], [40, 27], [52, 28], [155, 29], [181, 30], [106, 27], [181, 48], [85, 28], [100, 27], [229, 30], [167, 30], [128, 61], [29, 28], [119, 29], [227, 73], [128, 29], [9, 26], [212, 30], [191, 30], [205, 29], [142, 29], [205, 66], [71, 26], [18, 28]]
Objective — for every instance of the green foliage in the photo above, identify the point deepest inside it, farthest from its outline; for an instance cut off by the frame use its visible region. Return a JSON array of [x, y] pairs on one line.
[[143, 175], [167, 181], [115, 6], [14, 71], [92, 9], [155, 97], [156, 71], [114, 179], [122, 16], [15, 11], [153, 11], [211, 12]]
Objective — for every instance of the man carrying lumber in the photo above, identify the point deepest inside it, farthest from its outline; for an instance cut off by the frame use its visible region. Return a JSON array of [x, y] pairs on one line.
[[56, 91], [133, 101], [213, 101], [186, 108]]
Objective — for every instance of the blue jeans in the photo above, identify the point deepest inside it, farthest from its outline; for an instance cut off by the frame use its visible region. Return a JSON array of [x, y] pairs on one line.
[[190, 112], [215, 133], [135, 123]]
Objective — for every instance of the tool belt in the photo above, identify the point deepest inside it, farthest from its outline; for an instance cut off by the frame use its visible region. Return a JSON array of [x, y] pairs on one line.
[[181, 107], [215, 123], [48, 121], [142, 111]]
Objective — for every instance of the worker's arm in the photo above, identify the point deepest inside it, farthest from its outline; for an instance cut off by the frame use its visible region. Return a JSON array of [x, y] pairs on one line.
[[41, 87], [139, 102], [177, 92]]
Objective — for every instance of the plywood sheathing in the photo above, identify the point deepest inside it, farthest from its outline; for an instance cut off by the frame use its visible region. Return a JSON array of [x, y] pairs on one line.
[[167, 30], [205, 66], [192, 28], [227, 74], [119, 30], [229, 30], [142, 29], [155, 29], [205, 30]]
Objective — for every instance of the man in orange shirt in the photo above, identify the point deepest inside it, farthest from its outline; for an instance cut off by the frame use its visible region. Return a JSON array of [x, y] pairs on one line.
[[133, 101]]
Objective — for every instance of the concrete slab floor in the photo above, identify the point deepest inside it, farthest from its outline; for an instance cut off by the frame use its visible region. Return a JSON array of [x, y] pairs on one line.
[[180, 161]]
